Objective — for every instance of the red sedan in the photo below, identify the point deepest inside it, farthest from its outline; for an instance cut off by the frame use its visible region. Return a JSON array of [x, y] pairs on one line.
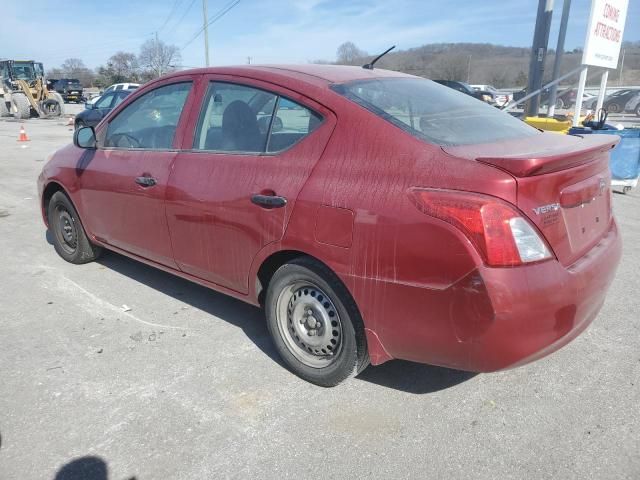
[[374, 215]]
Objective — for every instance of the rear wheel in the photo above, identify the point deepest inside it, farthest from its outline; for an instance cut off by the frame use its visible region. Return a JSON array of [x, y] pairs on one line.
[[613, 107], [315, 324], [58, 98], [22, 105], [559, 103], [69, 238]]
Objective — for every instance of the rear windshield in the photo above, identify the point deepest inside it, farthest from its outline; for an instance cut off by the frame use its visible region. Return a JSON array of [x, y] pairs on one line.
[[434, 113]]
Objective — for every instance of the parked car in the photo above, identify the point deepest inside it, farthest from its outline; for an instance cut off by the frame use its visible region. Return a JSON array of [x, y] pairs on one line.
[[94, 112], [633, 105], [69, 88], [466, 89], [385, 216], [500, 98], [565, 98], [615, 102], [116, 87]]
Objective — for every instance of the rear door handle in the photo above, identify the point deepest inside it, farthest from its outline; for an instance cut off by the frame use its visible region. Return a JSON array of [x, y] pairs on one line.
[[146, 181], [268, 201]]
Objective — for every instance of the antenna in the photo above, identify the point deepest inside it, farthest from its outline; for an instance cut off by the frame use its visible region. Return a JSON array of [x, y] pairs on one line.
[[369, 66]]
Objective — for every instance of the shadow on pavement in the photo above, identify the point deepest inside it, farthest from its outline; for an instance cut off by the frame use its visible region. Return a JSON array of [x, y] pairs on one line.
[[84, 468], [397, 374], [414, 377], [247, 317]]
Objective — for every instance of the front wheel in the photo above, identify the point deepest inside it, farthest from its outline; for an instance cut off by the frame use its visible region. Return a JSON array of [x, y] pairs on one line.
[[613, 108], [69, 238], [315, 324]]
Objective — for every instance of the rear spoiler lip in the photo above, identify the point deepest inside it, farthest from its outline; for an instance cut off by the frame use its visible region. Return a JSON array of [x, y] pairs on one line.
[[553, 160]]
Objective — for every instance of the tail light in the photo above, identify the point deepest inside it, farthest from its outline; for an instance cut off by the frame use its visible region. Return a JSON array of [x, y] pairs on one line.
[[499, 232]]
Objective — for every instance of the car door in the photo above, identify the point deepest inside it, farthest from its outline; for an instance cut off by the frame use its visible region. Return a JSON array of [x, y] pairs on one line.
[[100, 109], [235, 184], [122, 183]]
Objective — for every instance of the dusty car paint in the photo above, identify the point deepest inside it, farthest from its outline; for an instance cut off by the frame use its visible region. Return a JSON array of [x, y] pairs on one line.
[[424, 292]]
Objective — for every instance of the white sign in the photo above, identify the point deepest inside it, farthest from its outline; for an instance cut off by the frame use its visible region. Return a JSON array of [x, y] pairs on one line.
[[604, 34]]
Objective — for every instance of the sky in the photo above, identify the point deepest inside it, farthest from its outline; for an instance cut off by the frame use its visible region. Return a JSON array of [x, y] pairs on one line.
[[274, 31]]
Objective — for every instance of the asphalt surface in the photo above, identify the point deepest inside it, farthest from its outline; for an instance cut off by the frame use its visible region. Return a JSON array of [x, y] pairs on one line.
[[186, 384]]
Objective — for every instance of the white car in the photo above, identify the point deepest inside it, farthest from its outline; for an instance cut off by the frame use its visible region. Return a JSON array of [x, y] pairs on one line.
[[115, 86], [501, 98]]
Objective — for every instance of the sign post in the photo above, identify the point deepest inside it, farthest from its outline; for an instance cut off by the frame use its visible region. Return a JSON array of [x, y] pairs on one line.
[[602, 44]]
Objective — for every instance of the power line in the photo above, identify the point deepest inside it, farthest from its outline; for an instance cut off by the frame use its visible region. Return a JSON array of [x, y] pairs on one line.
[[175, 4], [221, 13], [184, 15]]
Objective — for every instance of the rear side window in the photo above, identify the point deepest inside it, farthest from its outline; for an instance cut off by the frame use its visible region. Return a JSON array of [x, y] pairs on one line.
[[433, 112], [291, 123], [150, 121], [243, 119]]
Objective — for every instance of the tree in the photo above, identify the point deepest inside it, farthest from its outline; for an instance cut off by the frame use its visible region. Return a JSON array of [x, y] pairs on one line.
[[121, 67], [349, 54], [521, 79], [450, 67], [158, 58]]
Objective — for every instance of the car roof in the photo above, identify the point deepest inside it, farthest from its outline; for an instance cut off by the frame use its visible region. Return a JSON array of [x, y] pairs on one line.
[[311, 73]]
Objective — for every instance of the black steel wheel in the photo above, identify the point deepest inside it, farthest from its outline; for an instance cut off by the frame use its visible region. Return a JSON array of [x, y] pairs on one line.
[[69, 238], [315, 323]]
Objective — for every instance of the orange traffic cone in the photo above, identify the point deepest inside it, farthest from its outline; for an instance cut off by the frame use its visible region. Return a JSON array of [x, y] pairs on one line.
[[23, 135]]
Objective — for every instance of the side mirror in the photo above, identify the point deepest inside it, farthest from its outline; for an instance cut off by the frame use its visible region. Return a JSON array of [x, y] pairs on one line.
[[85, 137]]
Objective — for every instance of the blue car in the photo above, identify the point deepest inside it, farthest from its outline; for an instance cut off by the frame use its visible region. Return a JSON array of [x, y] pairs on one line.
[[94, 112]]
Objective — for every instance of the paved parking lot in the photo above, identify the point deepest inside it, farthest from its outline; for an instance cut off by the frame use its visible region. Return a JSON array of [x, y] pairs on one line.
[[186, 385]]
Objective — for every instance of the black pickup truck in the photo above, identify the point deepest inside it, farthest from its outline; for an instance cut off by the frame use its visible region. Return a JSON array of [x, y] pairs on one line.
[[69, 88]]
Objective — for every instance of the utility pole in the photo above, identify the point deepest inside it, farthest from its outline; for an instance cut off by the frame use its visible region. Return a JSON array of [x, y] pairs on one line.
[[539, 54], [553, 94], [469, 69], [621, 69], [158, 61], [206, 32]]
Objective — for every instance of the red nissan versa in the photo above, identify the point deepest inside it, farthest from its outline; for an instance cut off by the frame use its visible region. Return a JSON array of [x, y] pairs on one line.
[[374, 215]]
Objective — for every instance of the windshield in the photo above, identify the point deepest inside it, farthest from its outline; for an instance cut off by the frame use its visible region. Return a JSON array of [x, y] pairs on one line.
[[23, 71], [434, 113]]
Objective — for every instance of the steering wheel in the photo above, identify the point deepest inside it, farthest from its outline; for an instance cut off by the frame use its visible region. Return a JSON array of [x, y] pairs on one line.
[[133, 141]]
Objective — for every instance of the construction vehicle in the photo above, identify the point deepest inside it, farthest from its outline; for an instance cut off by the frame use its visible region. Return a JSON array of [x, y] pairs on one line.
[[24, 93]]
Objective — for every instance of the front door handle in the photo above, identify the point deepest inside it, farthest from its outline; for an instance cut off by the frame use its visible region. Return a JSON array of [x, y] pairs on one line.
[[146, 181], [268, 201]]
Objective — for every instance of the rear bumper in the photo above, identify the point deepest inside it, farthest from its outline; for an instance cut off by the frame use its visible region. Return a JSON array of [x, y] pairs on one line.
[[498, 318]]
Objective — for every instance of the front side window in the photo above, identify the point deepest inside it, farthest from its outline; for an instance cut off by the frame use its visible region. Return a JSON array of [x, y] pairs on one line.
[[105, 101], [150, 121], [239, 118], [434, 113]]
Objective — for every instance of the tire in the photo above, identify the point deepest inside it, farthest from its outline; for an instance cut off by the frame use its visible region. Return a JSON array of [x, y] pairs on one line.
[[58, 98], [559, 103], [613, 107], [4, 111], [315, 324], [69, 238], [22, 105], [638, 110]]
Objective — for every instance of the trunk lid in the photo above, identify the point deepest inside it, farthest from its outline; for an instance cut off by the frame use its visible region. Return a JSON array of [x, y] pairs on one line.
[[563, 185]]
